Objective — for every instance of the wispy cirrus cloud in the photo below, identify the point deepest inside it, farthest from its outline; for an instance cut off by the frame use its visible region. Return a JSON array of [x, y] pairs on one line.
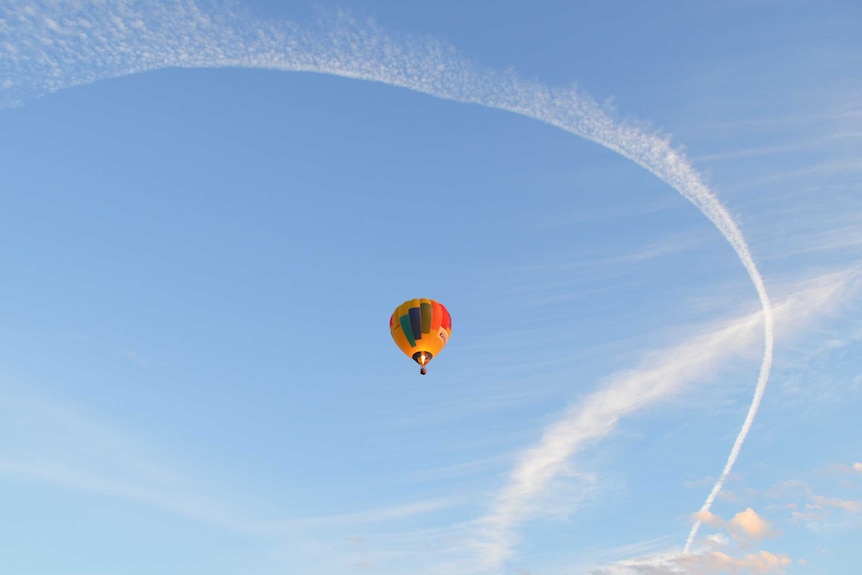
[[62, 447], [172, 497], [59, 445], [131, 38], [89, 41]]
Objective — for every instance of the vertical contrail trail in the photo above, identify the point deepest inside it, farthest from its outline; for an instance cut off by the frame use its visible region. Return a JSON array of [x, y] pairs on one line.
[[49, 46]]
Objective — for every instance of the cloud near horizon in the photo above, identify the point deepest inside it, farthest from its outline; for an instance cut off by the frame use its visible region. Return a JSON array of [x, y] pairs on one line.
[[709, 563], [719, 554], [666, 372]]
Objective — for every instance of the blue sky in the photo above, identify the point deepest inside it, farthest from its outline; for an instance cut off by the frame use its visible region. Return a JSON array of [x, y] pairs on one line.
[[639, 217]]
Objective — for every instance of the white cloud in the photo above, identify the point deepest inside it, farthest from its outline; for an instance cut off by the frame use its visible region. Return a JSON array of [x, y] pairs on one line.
[[717, 540]]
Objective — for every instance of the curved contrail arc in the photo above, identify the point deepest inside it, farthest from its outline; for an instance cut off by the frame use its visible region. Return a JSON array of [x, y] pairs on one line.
[[47, 46]]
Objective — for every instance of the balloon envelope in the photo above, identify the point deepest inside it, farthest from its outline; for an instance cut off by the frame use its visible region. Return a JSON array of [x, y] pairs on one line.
[[421, 327]]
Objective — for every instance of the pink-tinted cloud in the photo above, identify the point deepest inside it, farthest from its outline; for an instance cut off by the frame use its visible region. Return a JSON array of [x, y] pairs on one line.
[[750, 525], [745, 525]]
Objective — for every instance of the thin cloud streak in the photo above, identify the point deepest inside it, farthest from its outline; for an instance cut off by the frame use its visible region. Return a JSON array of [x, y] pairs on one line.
[[367, 517], [71, 452], [57, 45], [181, 502]]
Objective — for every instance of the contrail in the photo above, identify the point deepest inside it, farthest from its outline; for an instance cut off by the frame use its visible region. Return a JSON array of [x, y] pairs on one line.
[[47, 46]]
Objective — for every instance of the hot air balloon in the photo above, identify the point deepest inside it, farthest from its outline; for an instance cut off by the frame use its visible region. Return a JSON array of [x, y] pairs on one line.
[[421, 328]]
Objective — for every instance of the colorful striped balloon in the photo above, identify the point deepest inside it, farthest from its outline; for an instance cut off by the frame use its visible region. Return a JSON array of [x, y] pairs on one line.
[[421, 328]]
